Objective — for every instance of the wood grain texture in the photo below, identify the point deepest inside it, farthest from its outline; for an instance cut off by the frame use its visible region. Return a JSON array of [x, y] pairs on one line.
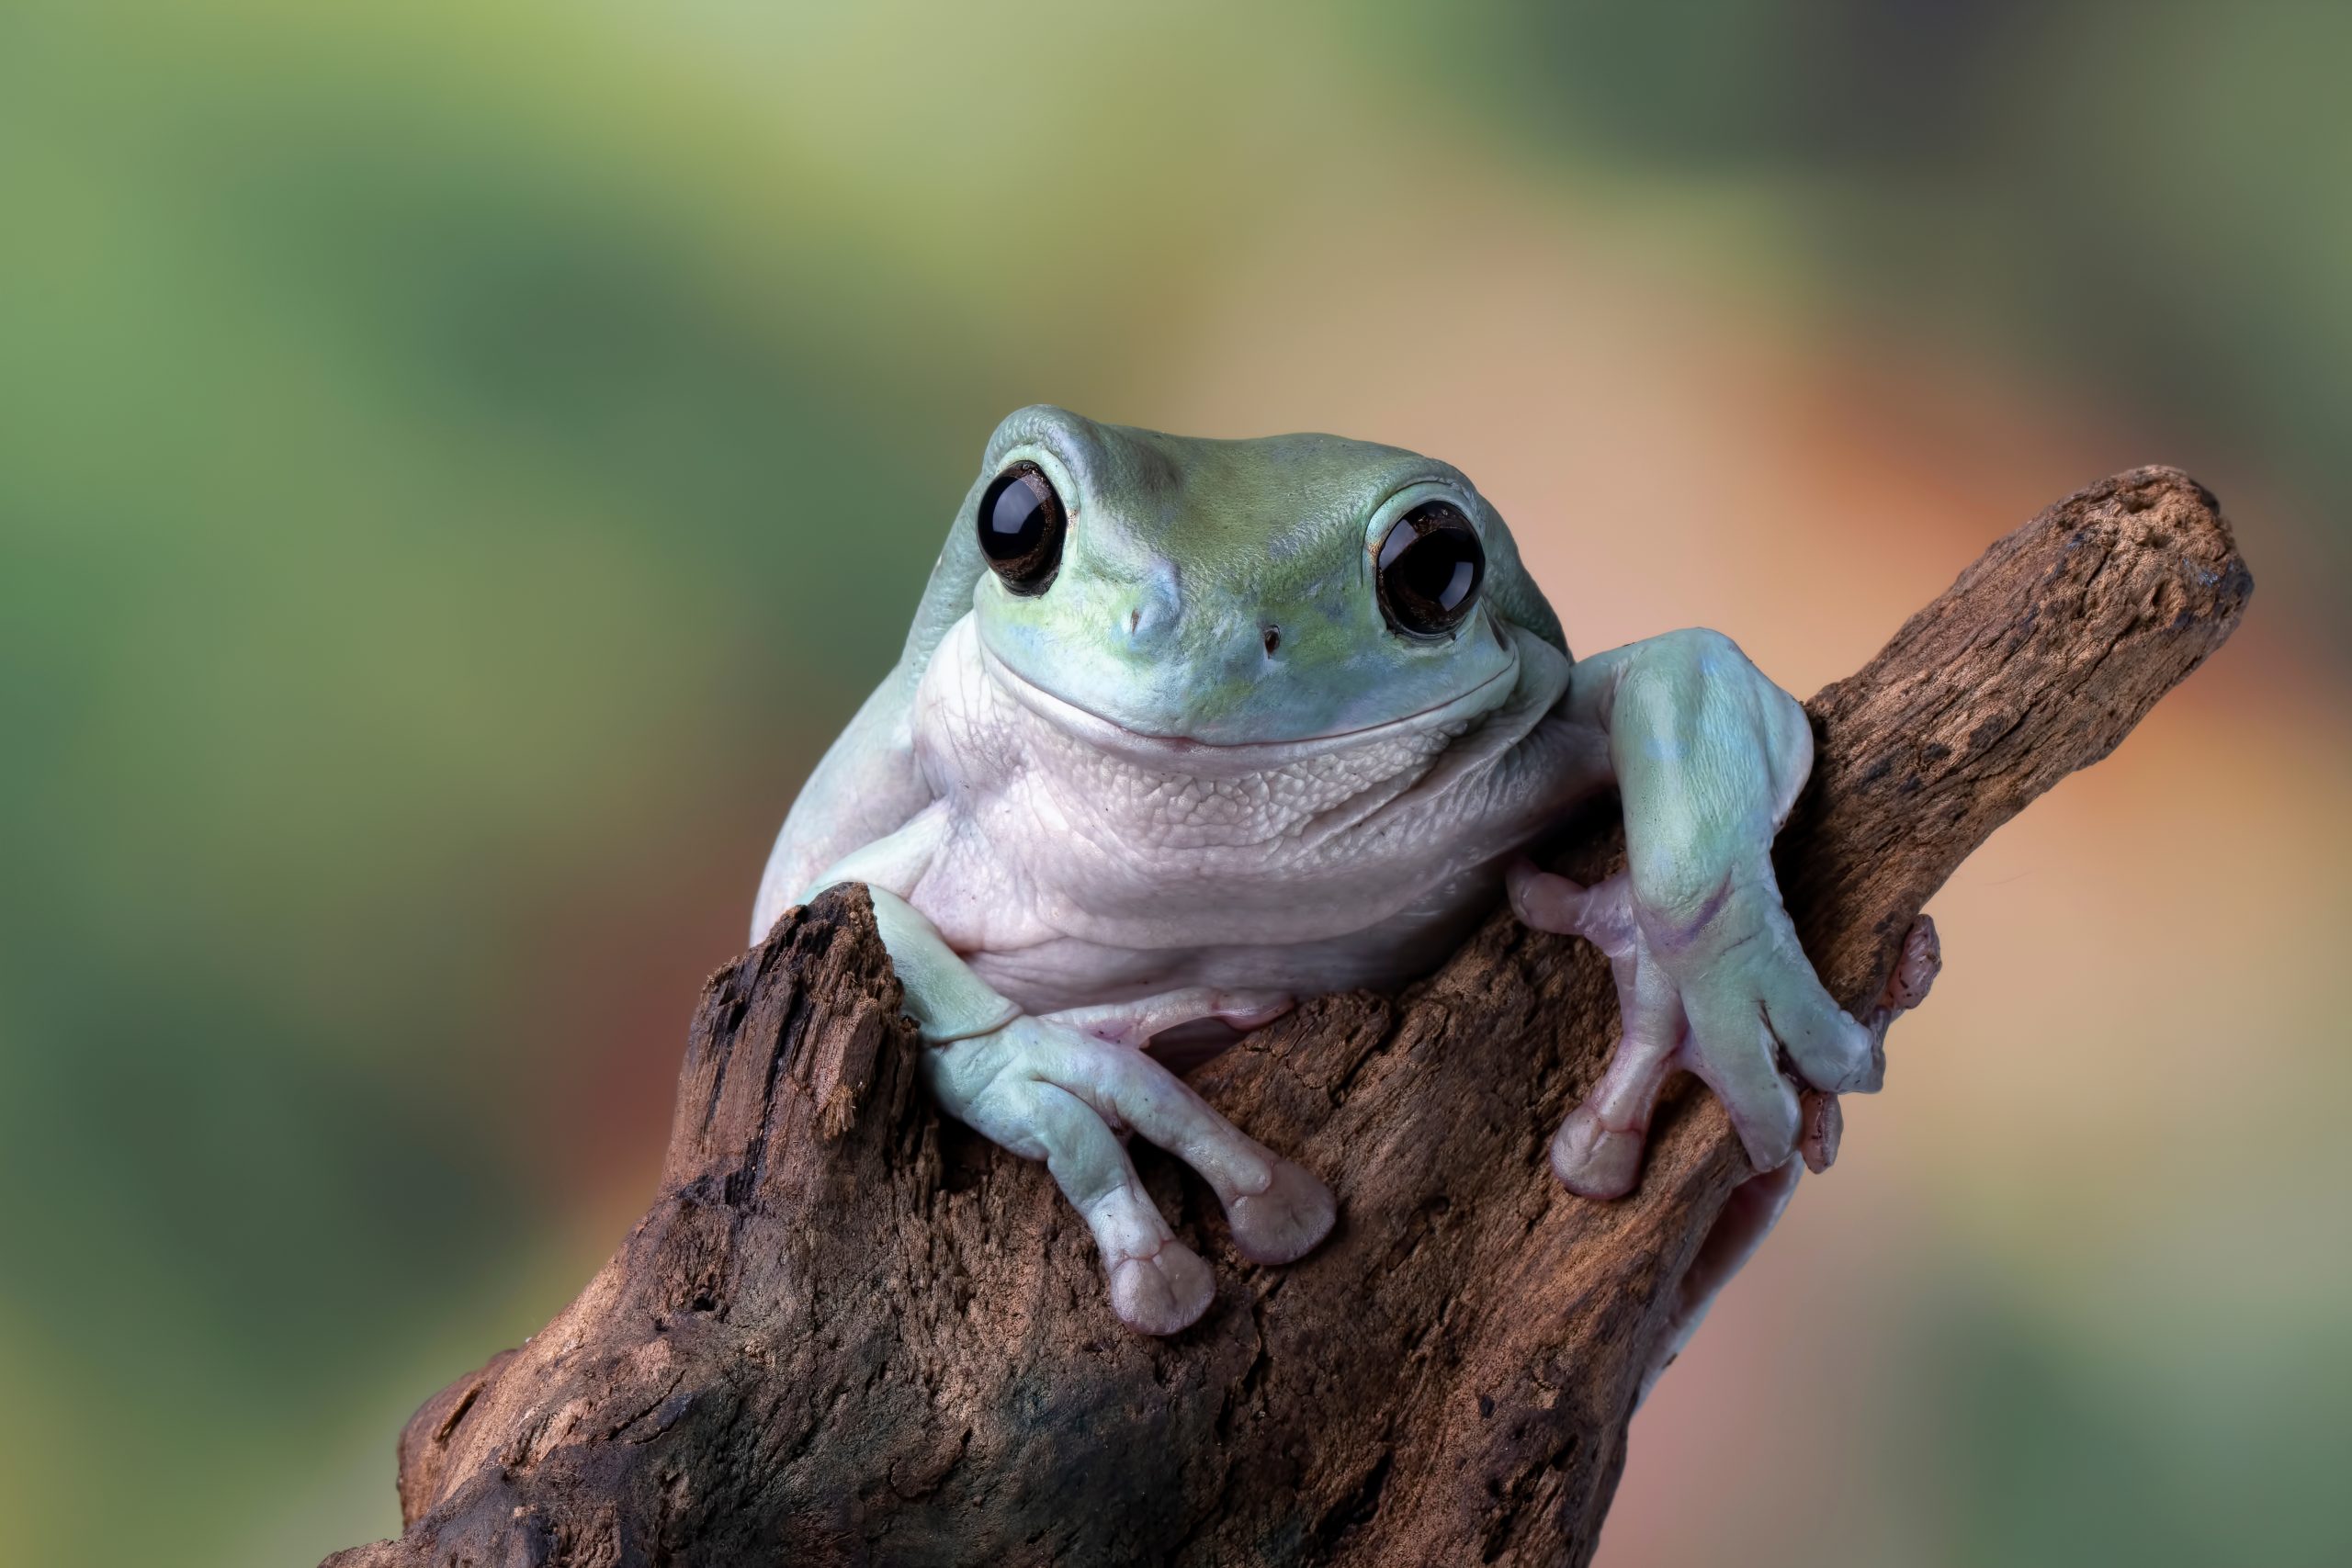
[[847, 1333]]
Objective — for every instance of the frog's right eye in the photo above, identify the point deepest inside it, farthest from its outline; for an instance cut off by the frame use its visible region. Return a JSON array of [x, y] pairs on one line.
[[1429, 567], [1022, 525]]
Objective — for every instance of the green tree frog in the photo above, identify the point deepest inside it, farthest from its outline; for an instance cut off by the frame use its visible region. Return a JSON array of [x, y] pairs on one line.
[[1185, 729]]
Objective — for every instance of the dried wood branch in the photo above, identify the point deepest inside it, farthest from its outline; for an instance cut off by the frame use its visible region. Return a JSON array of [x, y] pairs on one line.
[[849, 1333]]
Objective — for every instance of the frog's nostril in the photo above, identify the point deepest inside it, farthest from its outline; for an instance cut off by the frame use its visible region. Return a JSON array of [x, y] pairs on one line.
[[1145, 624], [1153, 609], [1273, 639]]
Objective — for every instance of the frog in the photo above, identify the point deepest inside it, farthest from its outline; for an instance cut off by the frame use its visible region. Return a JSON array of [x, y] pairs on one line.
[[1187, 729]]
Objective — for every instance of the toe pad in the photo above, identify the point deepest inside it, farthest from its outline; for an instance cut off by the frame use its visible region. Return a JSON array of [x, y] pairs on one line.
[[1164, 1292], [1285, 1222], [1595, 1161]]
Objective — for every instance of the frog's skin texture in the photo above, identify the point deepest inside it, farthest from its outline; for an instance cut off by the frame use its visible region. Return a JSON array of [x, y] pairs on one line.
[[1203, 772]]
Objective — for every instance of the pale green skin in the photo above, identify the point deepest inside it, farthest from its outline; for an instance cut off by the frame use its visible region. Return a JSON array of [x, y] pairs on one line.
[[1108, 810]]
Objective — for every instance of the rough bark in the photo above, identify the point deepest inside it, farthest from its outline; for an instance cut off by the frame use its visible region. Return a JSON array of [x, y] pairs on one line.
[[848, 1333]]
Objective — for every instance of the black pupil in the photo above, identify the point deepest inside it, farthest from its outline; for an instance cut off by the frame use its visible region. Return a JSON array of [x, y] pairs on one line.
[[1021, 528], [1015, 520], [1439, 568], [1430, 567]]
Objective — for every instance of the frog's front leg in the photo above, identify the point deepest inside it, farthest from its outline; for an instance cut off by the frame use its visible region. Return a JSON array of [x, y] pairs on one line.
[[1062, 1088], [1709, 757], [1048, 1091]]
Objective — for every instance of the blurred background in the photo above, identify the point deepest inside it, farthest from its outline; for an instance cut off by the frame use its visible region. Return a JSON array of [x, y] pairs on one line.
[[458, 464]]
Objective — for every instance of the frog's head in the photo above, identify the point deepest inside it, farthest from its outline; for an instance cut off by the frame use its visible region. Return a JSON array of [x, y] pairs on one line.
[[1183, 599]]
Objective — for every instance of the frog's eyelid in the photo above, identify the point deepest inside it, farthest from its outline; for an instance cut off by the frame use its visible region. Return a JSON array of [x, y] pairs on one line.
[[1059, 469], [1463, 497]]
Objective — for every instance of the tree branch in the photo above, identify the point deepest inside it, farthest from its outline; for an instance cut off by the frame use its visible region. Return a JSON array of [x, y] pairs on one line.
[[847, 1332]]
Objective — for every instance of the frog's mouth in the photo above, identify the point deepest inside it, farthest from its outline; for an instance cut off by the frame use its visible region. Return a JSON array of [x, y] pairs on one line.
[[1186, 755]]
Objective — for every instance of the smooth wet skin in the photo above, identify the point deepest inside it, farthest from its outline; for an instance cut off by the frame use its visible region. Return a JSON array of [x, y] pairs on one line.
[[1187, 729]]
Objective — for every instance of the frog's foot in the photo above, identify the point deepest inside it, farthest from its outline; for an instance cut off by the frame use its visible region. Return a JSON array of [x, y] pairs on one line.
[[1045, 1090], [1736, 1019]]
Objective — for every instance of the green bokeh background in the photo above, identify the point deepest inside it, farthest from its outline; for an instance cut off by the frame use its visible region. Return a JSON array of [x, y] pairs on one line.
[[458, 464]]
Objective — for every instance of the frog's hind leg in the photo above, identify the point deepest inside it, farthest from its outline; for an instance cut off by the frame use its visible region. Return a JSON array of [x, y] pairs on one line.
[[1748, 1216]]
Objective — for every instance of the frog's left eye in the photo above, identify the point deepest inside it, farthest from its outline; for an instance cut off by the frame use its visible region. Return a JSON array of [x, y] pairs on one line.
[[1428, 568], [1022, 523]]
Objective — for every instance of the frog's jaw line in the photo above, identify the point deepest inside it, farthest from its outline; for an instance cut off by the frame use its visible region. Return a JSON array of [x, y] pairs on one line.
[[1210, 759]]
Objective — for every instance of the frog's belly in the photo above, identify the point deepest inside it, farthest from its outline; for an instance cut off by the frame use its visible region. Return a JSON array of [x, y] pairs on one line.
[[1057, 971]]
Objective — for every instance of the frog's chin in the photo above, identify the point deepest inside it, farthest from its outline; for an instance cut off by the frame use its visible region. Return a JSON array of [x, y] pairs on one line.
[[1192, 758]]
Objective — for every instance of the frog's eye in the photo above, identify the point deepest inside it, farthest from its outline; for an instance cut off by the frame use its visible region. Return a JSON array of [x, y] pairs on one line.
[[1022, 523], [1428, 568]]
